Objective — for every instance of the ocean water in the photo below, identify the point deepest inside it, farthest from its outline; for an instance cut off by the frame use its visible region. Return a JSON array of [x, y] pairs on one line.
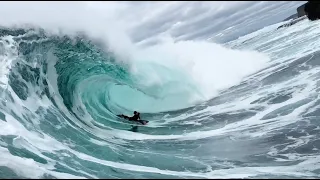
[[245, 109]]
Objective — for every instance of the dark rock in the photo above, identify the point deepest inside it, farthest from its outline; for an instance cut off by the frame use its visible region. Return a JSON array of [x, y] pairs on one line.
[[312, 10], [301, 11]]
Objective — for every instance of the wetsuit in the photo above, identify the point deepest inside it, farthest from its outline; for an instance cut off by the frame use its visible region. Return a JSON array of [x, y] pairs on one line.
[[133, 118]]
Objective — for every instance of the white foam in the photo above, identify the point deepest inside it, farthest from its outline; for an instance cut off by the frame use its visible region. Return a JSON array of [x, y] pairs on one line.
[[210, 66], [31, 169], [8, 52]]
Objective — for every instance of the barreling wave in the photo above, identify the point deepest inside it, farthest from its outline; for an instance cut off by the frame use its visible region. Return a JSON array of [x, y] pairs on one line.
[[63, 87], [214, 112]]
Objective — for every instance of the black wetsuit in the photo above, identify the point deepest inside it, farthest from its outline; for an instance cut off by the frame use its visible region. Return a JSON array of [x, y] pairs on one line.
[[135, 117]]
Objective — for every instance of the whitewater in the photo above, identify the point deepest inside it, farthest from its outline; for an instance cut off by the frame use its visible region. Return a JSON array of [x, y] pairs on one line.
[[248, 108]]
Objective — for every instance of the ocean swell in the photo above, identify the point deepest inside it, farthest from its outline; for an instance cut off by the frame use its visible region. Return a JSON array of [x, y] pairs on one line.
[[60, 95]]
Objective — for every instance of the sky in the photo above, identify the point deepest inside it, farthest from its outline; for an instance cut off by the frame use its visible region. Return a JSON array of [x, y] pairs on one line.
[[192, 20], [149, 22]]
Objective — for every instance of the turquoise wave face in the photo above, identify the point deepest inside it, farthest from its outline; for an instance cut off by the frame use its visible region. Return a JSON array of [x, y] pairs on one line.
[[89, 79], [62, 90], [86, 83], [66, 93]]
